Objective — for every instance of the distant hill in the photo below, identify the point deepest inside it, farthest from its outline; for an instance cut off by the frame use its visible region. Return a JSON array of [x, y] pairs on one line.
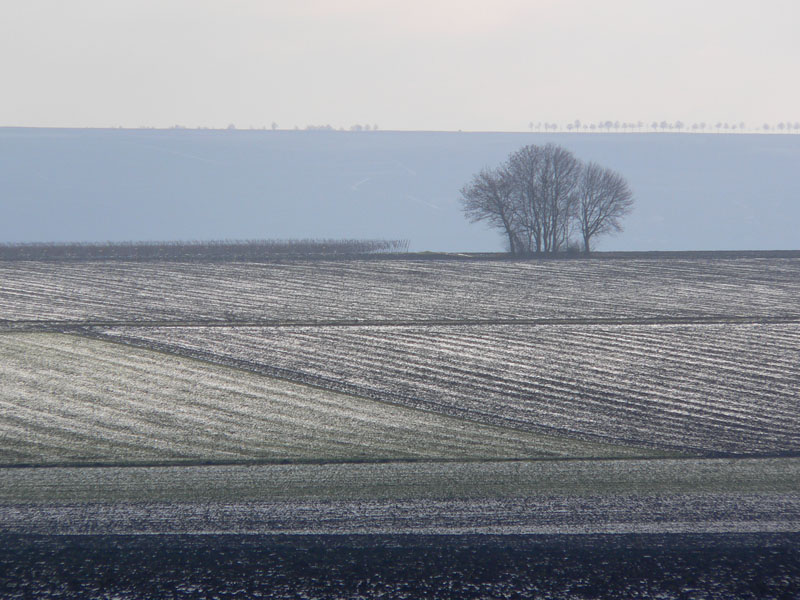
[[705, 192]]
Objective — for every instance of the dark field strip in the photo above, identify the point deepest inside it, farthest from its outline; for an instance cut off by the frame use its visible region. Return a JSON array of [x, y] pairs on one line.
[[705, 567], [710, 389], [656, 513], [400, 290]]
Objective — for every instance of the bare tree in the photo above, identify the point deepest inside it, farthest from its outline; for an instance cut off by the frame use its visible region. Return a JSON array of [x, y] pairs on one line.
[[558, 181], [521, 172], [603, 199], [543, 181], [488, 198], [542, 195]]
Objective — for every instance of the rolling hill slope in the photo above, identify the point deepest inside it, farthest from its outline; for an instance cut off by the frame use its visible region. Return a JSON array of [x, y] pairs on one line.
[[69, 400]]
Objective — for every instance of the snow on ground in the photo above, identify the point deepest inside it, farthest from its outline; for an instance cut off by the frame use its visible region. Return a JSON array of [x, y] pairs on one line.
[[700, 388], [379, 289], [67, 399]]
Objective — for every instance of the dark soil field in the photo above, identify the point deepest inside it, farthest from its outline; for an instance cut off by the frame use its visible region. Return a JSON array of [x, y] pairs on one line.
[[720, 567]]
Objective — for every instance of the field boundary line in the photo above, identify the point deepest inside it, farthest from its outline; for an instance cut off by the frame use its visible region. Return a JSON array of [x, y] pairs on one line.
[[386, 461], [56, 326]]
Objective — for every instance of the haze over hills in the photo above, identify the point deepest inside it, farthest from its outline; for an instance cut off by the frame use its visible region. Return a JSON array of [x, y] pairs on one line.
[[693, 192]]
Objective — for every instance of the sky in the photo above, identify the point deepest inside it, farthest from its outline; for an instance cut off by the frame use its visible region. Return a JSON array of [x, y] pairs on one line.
[[443, 65]]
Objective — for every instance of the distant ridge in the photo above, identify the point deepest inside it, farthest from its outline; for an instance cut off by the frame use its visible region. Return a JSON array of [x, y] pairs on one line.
[[710, 191]]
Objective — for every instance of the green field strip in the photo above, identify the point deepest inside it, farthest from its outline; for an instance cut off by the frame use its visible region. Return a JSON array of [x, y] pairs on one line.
[[402, 481], [71, 400]]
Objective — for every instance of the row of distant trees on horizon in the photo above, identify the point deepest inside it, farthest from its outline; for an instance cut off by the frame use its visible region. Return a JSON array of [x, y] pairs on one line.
[[576, 126], [579, 126]]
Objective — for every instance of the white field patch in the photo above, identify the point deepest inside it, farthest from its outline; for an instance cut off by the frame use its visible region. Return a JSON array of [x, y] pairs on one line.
[[66, 399], [401, 289], [715, 388]]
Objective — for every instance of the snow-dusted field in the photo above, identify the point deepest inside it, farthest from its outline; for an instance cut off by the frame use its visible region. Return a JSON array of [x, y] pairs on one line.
[[67, 399], [693, 513], [704, 389], [386, 290], [462, 374]]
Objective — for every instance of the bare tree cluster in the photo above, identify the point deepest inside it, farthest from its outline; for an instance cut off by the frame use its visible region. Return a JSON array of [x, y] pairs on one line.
[[542, 197]]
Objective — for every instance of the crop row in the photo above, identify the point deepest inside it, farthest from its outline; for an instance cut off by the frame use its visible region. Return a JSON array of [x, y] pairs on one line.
[[694, 388], [66, 399], [400, 290]]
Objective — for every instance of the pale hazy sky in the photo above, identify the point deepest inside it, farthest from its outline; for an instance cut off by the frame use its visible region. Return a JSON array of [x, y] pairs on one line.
[[401, 64]]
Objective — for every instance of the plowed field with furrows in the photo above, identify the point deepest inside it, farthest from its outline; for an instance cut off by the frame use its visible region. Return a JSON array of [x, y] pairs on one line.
[[69, 400], [703, 389], [387, 290]]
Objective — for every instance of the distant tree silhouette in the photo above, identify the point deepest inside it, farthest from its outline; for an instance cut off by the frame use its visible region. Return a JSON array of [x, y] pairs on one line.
[[543, 194]]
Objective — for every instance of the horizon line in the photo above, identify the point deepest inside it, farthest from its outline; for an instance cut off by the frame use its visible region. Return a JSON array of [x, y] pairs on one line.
[[313, 129]]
